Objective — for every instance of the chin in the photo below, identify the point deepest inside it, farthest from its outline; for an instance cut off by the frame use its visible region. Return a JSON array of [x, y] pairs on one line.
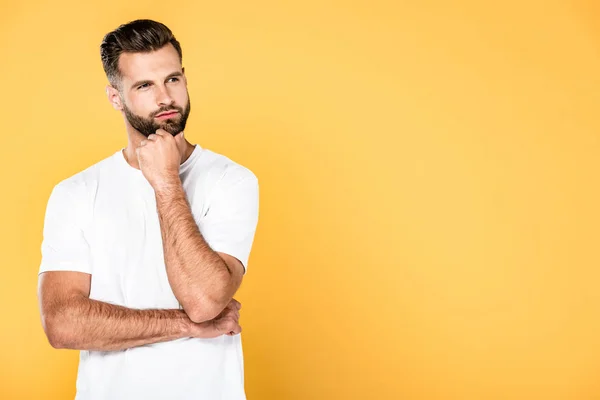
[[174, 132]]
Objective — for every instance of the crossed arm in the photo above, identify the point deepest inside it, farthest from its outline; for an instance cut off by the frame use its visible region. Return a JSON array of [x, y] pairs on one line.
[[204, 282], [71, 320]]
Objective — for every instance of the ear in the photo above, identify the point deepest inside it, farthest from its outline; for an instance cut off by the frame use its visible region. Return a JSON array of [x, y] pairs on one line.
[[113, 97]]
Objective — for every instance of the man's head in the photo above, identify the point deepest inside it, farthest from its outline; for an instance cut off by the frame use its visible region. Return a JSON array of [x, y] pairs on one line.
[[143, 63]]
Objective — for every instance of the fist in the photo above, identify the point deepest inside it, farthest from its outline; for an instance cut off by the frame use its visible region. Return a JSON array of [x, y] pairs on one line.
[[160, 156], [226, 323]]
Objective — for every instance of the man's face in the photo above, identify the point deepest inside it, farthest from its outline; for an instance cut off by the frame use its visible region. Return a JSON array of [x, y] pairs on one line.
[[154, 91]]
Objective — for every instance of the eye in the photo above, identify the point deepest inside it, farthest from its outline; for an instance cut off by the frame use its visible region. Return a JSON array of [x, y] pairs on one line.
[[174, 79], [144, 86]]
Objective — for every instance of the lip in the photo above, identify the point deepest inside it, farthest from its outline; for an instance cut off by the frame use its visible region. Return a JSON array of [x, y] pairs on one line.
[[167, 114]]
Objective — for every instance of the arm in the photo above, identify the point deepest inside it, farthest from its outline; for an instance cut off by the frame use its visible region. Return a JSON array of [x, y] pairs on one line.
[[203, 274], [204, 281], [71, 320]]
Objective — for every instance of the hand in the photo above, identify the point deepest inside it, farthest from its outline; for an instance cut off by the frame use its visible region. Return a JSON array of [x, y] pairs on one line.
[[228, 320], [226, 323], [160, 156]]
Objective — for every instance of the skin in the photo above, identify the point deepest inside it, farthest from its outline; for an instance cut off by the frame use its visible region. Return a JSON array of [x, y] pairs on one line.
[[204, 281]]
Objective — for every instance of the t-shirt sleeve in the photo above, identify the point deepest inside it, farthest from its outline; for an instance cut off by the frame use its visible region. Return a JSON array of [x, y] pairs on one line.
[[64, 247], [232, 217]]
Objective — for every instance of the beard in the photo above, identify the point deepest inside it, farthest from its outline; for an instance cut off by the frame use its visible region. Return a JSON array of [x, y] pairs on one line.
[[148, 126]]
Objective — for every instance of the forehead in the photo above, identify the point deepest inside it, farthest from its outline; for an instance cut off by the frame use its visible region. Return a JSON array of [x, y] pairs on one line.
[[135, 66]]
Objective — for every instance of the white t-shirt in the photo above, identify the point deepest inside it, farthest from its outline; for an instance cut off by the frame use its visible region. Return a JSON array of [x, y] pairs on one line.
[[103, 221]]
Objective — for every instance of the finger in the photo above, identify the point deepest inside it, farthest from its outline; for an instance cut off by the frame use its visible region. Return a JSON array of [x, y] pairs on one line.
[[230, 307], [226, 324], [234, 329], [236, 303], [162, 133], [152, 136], [233, 314], [143, 142]]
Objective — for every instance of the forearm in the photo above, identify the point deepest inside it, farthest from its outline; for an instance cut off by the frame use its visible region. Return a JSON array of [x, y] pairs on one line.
[[198, 276], [87, 324]]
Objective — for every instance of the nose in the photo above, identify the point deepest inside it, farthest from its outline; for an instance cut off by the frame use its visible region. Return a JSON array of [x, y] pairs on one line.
[[163, 96]]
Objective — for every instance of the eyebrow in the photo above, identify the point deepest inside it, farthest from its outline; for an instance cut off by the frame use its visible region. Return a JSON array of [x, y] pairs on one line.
[[171, 75]]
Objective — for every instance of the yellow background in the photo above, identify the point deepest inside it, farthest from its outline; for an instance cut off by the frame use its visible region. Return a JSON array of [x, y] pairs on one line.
[[429, 223]]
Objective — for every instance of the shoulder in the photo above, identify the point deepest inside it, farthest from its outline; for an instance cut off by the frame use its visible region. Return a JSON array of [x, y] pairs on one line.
[[79, 189], [225, 173], [86, 178]]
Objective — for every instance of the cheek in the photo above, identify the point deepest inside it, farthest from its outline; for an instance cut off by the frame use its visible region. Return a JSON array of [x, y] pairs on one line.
[[141, 105], [181, 97]]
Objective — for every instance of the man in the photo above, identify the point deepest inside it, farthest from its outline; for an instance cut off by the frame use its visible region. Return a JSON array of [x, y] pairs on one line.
[[143, 251]]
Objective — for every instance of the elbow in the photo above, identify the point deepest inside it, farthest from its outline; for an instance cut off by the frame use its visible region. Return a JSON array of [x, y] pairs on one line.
[[55, 342], [55, 332], [207, 306], [57, 323], [203, 310]]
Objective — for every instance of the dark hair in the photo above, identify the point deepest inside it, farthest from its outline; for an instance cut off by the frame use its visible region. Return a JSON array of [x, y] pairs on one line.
[[139, 36]]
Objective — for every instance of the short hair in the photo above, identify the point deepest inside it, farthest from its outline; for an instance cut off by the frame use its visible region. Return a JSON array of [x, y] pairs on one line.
[[139, 36]]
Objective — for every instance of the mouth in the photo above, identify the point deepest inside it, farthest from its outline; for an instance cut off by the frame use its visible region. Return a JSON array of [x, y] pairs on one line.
[[167, 115]]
